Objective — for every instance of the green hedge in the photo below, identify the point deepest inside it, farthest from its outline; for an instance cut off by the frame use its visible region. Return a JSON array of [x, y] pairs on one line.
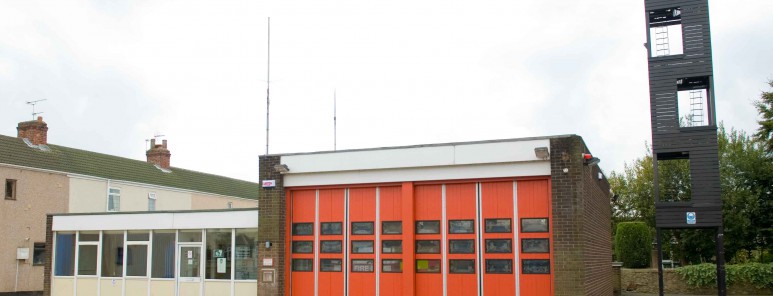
[[704, 275], [633, 244]]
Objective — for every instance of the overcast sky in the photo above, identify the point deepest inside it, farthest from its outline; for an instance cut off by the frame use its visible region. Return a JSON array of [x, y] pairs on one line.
[[406, 72]]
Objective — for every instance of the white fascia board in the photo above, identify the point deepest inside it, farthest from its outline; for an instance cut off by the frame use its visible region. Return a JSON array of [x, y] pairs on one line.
[[459, 172], [150, 221], [414, 157], [369, 159]]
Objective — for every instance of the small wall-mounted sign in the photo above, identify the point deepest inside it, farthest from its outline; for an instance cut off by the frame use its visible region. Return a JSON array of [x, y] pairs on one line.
[[268, 276], [269, 183], [268, 262], [691, 218]]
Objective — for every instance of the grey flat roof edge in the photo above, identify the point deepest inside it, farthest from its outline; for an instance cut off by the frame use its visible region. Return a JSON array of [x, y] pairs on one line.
[[154, 212], [426, 145]]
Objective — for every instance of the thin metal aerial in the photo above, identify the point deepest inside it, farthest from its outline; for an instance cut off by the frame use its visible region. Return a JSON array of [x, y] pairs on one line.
[[334, 120], [268, 79], [33, 107]]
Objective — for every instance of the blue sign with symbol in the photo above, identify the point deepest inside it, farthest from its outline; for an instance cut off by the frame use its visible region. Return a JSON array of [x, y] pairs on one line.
[[691, 219]]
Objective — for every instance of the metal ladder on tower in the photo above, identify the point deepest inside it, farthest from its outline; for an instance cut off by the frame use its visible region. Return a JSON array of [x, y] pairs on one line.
[[696, 107], [661, 41]]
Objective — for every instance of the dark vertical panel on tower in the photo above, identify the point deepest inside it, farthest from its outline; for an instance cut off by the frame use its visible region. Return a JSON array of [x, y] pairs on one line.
[[681, 76]]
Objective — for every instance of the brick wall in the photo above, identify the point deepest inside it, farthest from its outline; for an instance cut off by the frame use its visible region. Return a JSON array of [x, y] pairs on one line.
[[597, 235], [50, 255], [271, 226], [582, 253]]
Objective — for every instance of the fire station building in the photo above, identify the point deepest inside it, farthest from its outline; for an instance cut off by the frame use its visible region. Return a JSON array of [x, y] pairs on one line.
[[526, 216]]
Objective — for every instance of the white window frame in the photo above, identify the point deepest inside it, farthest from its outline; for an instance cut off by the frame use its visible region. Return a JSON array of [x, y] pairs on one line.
[[152, 201], [97, 243], [112, 195], [148, 249]]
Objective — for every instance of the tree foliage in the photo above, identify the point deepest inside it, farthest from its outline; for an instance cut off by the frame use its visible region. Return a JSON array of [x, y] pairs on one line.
[[746, 172], [765, 108], [632, 244]]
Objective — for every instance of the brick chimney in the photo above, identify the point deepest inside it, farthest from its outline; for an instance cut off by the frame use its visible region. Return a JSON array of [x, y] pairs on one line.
[[36, 131], [158, 154]]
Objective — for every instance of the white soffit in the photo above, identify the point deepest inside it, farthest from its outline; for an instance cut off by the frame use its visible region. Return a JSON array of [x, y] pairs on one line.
[[414, 157], [494, 170], [183, 220]]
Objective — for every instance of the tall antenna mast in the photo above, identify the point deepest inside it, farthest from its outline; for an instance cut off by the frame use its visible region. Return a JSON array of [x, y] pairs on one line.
[[268, 79], [33, 107], [334, 120]]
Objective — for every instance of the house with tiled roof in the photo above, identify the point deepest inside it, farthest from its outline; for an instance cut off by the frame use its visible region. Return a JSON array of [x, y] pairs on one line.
[[41, 178]]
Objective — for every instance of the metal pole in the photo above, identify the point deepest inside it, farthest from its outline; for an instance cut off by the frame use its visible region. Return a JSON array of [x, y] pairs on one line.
[[661, 287], [721, 283], [16, 283], [268, 79], [335, 123]]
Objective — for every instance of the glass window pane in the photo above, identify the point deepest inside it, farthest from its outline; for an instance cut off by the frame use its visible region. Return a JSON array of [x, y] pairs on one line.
[[427, 246], [392, 227], [427, 227], [136, 260], [112, 254], [138, 236], [461, 246], [499, 246], [334, 246], [218, 265], [162, 264], [362, 265], [330, 265], [303, 228], [302, 264], [535, 245], [392, 246], [461, 226], [461, 266], [498, 226], [88, 236], [39, 254], [499, 266], [303, 247], [534, 225], [332, 228], [427, 266], [362, 247], [533, 266], [362, 228], [87, 260], [392, 265], [65, 254], [190, 236], [246, 257], [189, 261]]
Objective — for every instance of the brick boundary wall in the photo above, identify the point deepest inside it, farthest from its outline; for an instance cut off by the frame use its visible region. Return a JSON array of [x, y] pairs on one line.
[[271, 226], [582, 252], [49, 256]]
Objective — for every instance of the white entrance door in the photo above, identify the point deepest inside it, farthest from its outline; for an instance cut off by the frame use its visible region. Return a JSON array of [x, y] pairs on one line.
[[189, 270]]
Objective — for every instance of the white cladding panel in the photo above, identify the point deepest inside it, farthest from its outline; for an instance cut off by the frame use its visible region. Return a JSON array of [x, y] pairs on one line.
[[498, 152], [413, 157], [495, 170], [369, 159], [186, 220]]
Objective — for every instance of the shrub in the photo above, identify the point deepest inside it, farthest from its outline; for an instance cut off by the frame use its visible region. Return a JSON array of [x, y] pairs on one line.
[[758, 275], [633, 244]]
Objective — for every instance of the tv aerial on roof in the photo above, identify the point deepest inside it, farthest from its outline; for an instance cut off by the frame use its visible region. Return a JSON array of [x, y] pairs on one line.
[[33, 103]]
